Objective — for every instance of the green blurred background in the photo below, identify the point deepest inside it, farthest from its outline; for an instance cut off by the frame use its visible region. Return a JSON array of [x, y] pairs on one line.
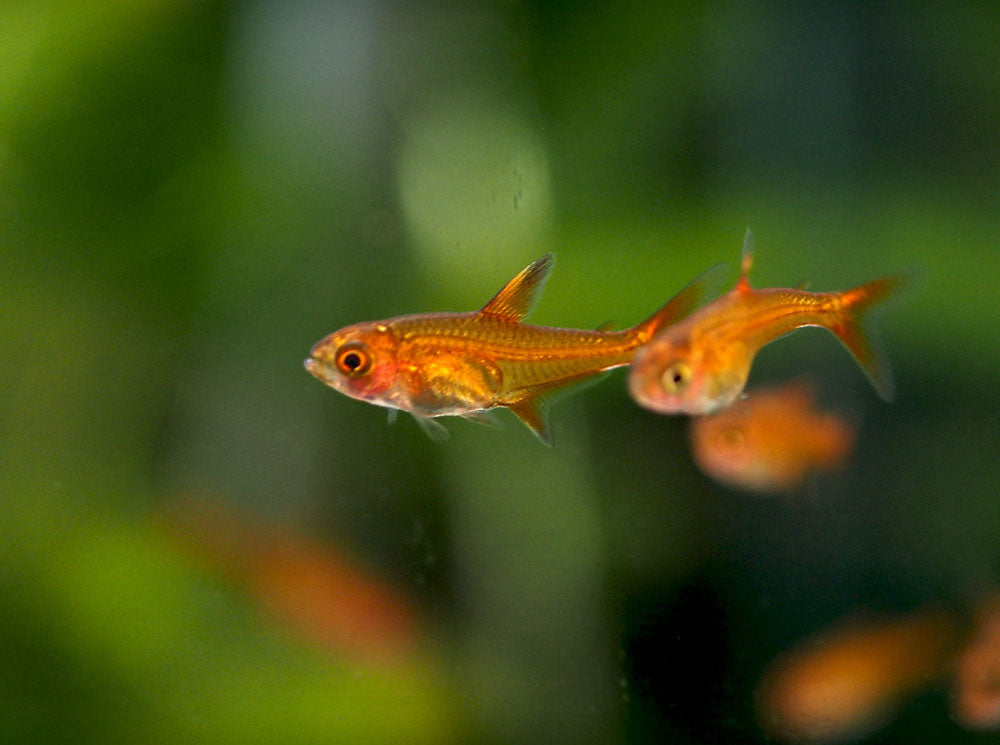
[[193, 193]]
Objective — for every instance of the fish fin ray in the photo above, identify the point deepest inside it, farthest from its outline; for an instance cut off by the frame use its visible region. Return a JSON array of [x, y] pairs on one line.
[[746, 262], [484, 417], [862, 340], [432, 428], [705, 286], [534, 412], [518, 296], [607, 326], [532, 404]]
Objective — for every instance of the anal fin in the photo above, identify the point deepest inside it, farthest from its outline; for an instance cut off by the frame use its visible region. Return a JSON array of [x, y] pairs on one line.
[[533, 411], [432, 428]]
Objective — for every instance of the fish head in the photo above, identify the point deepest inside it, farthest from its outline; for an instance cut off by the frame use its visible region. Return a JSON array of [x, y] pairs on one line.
[[360, 362], [724, 441], [734, 447], [667, 376]]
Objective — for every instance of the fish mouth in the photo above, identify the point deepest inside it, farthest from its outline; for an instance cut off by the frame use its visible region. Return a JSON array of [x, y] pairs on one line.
[[315, 367]]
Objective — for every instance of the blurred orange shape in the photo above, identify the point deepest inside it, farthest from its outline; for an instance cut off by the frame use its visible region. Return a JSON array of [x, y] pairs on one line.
[[841, 685], [976, 697], [771, 440], [305, 584]]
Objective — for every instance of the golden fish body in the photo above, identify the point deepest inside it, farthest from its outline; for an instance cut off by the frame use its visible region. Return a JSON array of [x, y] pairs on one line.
[[701, 364], [464, 364]]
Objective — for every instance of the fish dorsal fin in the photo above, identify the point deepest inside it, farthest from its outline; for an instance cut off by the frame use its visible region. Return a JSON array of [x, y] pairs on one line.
[[743, 285], [517, 297]]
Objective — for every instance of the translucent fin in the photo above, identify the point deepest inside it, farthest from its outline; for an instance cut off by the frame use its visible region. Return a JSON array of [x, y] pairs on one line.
[[746, 263], [705, 286], [534, 403], [432, 428], [533, 411], [863, 342], [606, 326], [392, 416], [517, 297], [484, 417]]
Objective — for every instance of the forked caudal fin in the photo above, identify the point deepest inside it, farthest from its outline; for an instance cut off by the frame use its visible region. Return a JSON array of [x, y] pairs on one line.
[[862, 341], [703, 287]]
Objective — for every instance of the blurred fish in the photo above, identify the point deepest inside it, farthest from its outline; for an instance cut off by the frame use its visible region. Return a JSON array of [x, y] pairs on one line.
[[304, 584], [701, 364], [847, 682], [463, 364], [770, 440], [976, 695]]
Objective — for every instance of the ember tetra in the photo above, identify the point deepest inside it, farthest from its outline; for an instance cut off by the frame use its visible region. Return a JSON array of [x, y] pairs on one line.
[[702, 363], [463, 364]]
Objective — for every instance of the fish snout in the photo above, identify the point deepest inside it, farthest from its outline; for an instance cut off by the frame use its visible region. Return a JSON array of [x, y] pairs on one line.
[[317, 369]]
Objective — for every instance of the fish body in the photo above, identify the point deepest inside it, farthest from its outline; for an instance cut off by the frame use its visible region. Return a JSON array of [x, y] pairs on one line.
[[846, 682], [465, 364], [771, 440], [975, 700], [701, 363]]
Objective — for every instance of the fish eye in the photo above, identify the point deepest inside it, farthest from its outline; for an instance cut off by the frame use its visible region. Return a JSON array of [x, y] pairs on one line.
[[354, 359], [676, 377], [731, 440]]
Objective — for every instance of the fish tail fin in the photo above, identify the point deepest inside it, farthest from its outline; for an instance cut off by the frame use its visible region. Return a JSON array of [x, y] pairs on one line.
[[703, 287], [860, 338]]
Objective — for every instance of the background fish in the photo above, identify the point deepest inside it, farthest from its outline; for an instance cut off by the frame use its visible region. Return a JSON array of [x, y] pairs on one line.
[[844, 683], [771, 440], [463, 364], [975, 699], [701, 364]]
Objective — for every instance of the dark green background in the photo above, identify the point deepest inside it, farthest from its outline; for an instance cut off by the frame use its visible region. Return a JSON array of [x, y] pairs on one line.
[[193, 193]]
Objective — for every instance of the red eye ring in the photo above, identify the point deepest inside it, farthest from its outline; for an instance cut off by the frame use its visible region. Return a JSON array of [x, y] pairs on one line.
[[354, 359]]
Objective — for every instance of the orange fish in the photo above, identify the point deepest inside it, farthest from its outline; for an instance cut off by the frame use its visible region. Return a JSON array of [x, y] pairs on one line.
[[770, 440], [463, 364], [701, 364], [305, 584], [845, 683], [976, 697]]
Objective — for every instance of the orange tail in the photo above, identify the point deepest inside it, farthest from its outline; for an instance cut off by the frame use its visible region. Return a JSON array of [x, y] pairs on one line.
[[703, 287], [862, 342]]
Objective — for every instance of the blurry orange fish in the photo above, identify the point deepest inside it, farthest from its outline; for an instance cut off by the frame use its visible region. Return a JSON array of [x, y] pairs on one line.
[[701, 364], [770, 440], [976, 697], [463, 364], [843, 684], [305, 584]]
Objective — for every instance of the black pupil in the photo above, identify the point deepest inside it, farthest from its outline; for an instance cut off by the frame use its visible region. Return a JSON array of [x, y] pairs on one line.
[[352, 361], [678, 377]]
